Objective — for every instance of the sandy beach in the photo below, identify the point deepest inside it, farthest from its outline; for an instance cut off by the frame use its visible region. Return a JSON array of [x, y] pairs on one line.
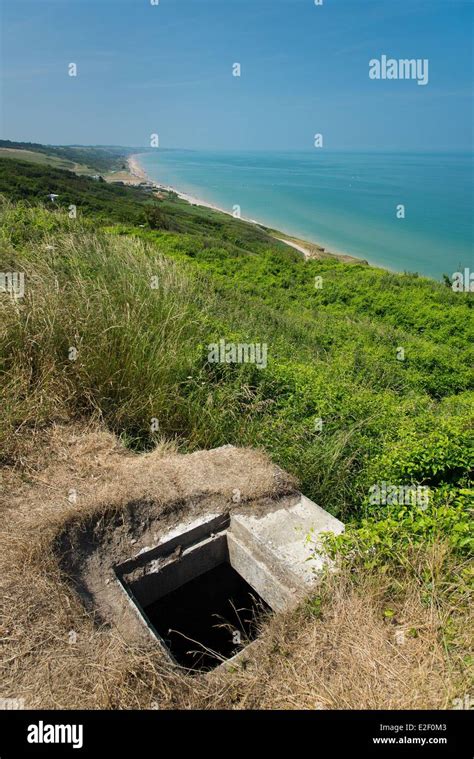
[[139, 175], [136, 170], [310, 250]]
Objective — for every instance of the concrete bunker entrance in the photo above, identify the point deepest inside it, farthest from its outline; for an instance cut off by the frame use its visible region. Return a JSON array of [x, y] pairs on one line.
[[195, 579], [192, 597], [203, 591]]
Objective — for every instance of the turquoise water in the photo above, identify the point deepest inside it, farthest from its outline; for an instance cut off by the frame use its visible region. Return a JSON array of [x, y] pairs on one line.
[[345, 201]]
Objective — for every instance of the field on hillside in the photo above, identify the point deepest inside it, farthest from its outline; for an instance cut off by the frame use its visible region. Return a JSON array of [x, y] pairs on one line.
[[100, 158], [46, 160], [368, 380]]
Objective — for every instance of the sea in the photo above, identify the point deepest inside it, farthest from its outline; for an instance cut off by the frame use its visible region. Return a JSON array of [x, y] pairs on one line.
[[408, 212]]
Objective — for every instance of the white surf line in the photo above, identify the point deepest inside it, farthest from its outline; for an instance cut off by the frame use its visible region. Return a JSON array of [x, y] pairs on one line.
[[194, 201]]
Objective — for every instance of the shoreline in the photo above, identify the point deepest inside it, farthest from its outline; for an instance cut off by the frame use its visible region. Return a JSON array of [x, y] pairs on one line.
[[309, 250]]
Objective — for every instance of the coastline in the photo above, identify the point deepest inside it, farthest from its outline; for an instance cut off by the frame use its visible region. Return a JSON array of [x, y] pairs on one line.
[[309, 250]]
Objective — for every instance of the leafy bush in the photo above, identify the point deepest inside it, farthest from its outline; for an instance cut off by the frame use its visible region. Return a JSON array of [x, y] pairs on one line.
[[391, 537]]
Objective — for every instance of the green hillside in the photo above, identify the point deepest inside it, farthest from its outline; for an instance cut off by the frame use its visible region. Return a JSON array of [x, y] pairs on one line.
[[98, 158], [332, 350], [367, 380]]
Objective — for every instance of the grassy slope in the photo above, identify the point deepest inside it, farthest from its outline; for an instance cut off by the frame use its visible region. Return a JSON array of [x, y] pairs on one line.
[[22, 180], [101, 158], [46, 160], [142, 356], [332, 351]]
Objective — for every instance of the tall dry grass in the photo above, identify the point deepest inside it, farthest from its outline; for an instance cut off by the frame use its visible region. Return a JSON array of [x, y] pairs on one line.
[[107, 328]]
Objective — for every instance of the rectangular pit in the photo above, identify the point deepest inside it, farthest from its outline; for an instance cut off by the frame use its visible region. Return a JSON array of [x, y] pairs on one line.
[[201, 594], [209, 619]]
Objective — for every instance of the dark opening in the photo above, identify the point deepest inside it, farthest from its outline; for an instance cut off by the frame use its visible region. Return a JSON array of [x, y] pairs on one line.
[[208, 619]]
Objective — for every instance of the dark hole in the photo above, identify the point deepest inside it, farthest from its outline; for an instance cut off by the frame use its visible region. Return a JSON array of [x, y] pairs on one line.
[[208, 619]]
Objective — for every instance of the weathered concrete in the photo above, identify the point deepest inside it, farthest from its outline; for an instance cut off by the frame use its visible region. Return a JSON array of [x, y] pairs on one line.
[[285, 539], [272, 548], [157, 579], [270, 586]]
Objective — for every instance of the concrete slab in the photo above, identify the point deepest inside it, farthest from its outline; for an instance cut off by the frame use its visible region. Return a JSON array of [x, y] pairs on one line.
[[280, 537]]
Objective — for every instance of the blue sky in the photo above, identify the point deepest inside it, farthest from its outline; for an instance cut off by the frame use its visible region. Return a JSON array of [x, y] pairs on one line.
[[167, 69]]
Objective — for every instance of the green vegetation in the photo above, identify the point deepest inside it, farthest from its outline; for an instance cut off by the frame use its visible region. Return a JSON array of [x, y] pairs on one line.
[[21, 180], [101, 158], [140, 288], [46, 160]]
